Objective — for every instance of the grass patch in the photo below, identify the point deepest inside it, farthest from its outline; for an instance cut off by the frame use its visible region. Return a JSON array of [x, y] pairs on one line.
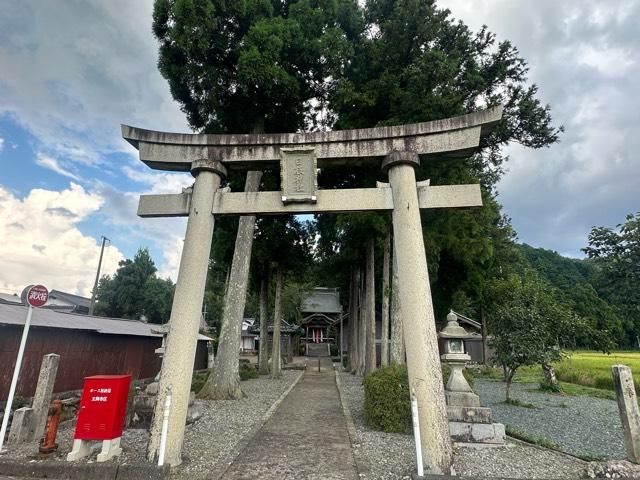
[[525, 437], [591, 457], [519, 403]]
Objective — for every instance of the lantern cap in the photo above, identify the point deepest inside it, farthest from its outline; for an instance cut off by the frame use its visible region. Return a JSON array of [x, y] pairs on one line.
[[453, 328]]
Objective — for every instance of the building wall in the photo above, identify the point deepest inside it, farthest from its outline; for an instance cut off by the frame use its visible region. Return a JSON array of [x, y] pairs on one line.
[[82, 354]]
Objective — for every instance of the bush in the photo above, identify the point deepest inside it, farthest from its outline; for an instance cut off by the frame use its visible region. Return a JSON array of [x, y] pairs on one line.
[[198, 381], [387, 406], [248, 371]]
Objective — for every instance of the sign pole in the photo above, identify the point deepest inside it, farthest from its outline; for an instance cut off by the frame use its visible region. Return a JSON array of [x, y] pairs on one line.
[[14, 380]]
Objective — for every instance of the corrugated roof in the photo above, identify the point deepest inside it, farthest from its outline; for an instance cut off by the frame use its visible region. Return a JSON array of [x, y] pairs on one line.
[[42, 317], [9, 298], [70, 297], [322, 300]]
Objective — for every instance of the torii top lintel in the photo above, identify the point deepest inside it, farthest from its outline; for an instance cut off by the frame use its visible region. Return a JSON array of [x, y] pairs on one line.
[[176, 151]]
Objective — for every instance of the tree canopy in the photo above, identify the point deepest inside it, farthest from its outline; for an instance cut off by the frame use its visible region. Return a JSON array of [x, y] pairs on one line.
[[616, 257], [135, 291]]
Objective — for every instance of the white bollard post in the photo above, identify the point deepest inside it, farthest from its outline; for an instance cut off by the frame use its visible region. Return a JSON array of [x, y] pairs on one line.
[[416, 433], [16, 374], [165, 427]]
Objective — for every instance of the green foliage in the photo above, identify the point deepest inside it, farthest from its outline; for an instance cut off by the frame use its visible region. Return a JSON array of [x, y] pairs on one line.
[[387, 404], [616, 256], [198, 381], [18, 402], [135, 291], [527, 324], [547, 386], [235, 65], [572, 281], [248, 371]]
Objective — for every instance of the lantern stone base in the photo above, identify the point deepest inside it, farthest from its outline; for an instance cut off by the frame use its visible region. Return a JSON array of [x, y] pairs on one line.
[[462, 399], [478, 433], [469, 414]]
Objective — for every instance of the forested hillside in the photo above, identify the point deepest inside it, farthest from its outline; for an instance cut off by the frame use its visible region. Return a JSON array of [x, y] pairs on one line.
[[574, 284]]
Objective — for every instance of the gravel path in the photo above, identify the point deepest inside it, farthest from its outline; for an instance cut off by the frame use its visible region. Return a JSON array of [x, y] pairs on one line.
[[581, 425], [391, 455], [214, 437]]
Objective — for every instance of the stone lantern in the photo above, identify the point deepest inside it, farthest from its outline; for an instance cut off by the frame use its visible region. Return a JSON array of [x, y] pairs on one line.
[[457, 391], [468, 421]]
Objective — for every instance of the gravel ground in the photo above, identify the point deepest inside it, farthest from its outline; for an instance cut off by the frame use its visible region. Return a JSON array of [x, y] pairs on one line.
[[391, 456], [223, 425], [581, 425]]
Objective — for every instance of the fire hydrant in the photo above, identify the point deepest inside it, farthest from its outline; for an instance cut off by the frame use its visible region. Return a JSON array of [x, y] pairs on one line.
[[48, 443]]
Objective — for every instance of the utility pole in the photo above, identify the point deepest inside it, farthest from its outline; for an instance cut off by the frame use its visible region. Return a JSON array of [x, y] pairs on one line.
[[95, 285]]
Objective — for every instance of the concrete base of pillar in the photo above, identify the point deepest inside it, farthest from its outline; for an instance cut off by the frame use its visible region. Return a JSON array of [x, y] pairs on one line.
[[464, 432], [80, 449], [22, 426], [110, 448]]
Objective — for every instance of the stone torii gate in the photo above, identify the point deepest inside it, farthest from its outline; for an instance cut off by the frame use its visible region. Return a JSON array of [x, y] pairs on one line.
[[395, 149]]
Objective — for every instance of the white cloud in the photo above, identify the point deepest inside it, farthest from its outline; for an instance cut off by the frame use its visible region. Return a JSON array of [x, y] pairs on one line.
[[167, 234], [70, 73], [582, 57], [51, 163], [43, 243], [158, 182]]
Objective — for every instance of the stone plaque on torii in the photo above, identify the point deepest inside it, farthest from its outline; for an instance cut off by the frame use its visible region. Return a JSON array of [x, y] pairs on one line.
[[394, 149]]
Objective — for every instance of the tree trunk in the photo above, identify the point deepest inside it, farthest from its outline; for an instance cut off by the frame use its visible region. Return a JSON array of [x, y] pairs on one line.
[[384, 334], [362, 327], [483, 322], [263, 353], [224, 381], [277, 319], [550, 376], [354, 329], [397, 334], [508, 378], [370, 360]]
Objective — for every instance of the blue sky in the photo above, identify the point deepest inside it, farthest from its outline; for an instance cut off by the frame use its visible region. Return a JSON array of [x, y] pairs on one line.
[[72, 72]]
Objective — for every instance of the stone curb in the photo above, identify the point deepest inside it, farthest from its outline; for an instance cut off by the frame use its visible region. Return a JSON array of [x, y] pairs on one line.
[[561, 452], [222, 465], [68, 471], [351, 427]]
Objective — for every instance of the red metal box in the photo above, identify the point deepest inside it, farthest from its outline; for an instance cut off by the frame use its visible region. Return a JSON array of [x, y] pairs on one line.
[[102, 407]]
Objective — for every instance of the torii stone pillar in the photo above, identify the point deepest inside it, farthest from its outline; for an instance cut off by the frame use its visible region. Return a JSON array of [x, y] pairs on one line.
[[299, 156], [181, 344], [420, 337]]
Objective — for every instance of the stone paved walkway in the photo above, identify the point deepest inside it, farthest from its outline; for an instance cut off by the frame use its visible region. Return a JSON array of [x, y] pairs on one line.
[[306, 437]]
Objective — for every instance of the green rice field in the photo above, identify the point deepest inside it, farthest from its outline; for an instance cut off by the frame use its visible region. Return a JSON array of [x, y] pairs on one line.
[[593, 369], [582, 372]]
